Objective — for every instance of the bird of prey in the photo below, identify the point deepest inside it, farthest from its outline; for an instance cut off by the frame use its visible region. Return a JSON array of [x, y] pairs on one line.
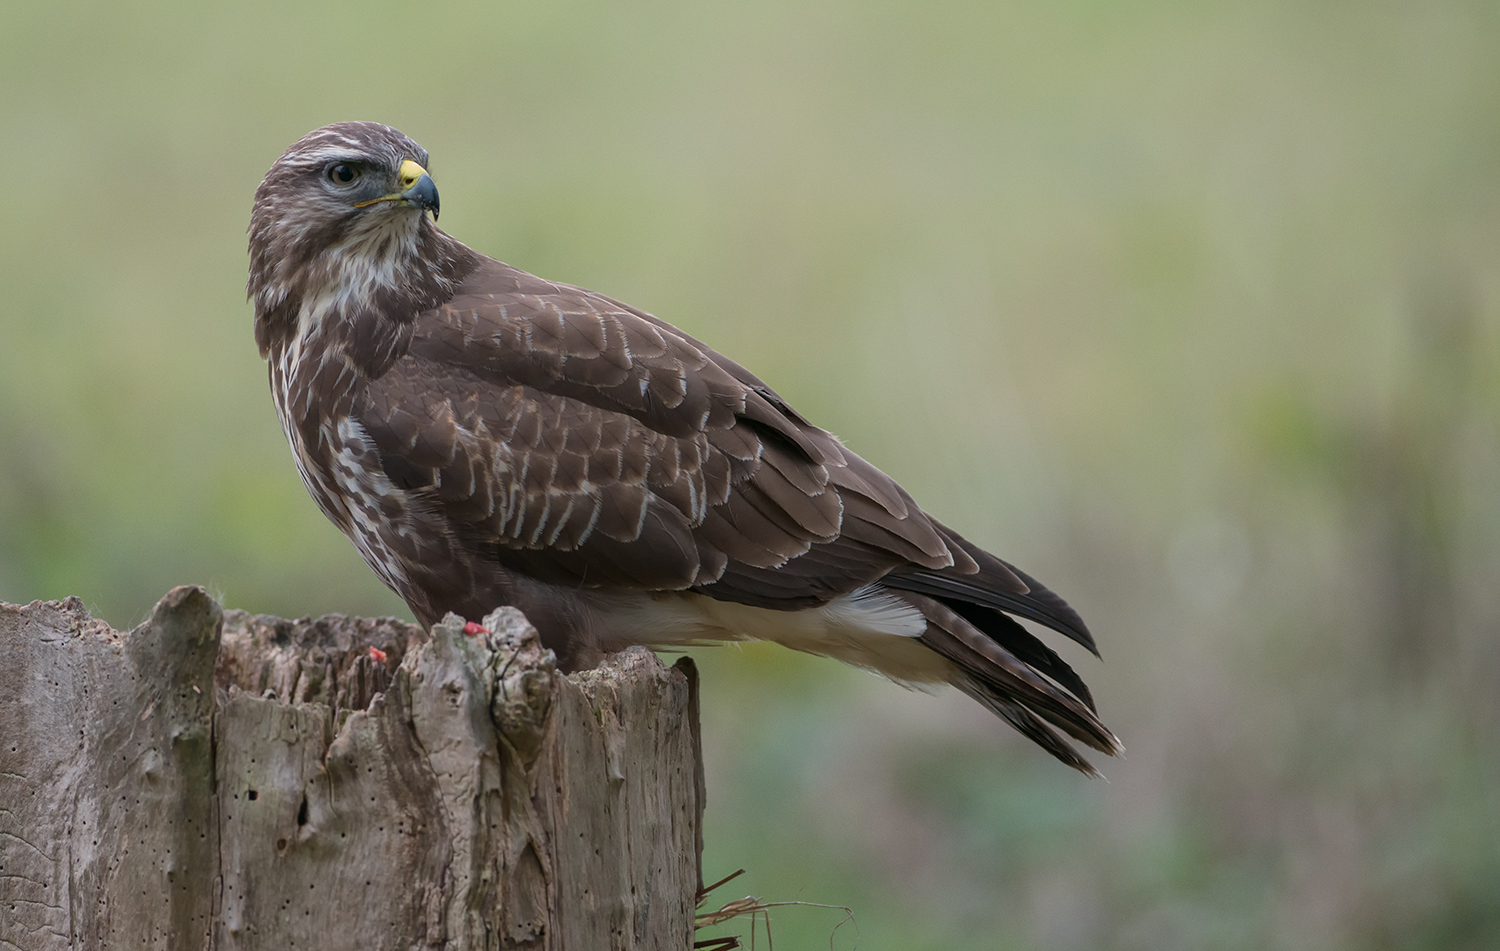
[[486, 437]]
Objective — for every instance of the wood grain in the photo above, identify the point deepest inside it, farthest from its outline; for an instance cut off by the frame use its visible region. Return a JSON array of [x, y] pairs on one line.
[[220, 780]]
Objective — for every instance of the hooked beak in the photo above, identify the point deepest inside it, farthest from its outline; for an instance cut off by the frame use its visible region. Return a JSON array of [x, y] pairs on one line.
[[417, 188]]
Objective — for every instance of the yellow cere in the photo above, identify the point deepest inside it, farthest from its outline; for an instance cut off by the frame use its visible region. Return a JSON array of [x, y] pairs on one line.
[[410, 172]]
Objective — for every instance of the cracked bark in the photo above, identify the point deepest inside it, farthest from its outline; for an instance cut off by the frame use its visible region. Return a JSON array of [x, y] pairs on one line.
[[219, 780]]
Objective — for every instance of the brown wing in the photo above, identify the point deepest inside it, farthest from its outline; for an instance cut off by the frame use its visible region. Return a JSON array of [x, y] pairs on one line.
[[584, 442]]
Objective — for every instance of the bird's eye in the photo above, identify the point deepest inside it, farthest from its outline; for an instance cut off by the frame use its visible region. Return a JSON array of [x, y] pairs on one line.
[[342, 173]]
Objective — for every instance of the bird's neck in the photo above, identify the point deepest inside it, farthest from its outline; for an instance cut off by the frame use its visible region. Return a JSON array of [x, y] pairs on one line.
[[362, 292]]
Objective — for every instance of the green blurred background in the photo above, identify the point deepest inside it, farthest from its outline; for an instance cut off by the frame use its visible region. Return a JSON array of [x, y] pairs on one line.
[[1190, 309]]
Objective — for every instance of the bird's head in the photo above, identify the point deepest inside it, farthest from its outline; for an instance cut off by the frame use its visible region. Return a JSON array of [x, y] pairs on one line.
[[341, 214]]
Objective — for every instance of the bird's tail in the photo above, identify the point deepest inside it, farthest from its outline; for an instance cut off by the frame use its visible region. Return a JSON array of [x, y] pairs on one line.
[[1003, 666]]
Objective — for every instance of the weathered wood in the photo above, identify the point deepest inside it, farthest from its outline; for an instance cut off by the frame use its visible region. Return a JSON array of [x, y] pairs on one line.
[[282, 787]]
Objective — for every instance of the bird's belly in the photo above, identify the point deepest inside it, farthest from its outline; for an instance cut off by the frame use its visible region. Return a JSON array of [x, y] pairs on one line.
[[868, 629], [347, 484]]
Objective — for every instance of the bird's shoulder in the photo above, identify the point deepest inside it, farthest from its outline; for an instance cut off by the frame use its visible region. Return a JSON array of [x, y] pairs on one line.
[[590, 439], [505, 327]]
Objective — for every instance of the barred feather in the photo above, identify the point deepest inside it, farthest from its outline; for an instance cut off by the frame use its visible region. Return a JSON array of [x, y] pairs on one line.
[[487, 437]]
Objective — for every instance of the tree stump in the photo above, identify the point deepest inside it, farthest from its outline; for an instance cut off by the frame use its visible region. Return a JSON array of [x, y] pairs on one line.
[[219, 780]]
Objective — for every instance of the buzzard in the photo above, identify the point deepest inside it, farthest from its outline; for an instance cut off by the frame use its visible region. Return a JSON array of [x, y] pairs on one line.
[[486, 437]]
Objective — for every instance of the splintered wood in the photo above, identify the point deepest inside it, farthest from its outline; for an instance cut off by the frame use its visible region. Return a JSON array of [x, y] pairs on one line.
[[219, 780]]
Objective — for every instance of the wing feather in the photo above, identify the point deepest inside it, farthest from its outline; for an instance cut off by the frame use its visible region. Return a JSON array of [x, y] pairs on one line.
[[573, 440], [577, 438]]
